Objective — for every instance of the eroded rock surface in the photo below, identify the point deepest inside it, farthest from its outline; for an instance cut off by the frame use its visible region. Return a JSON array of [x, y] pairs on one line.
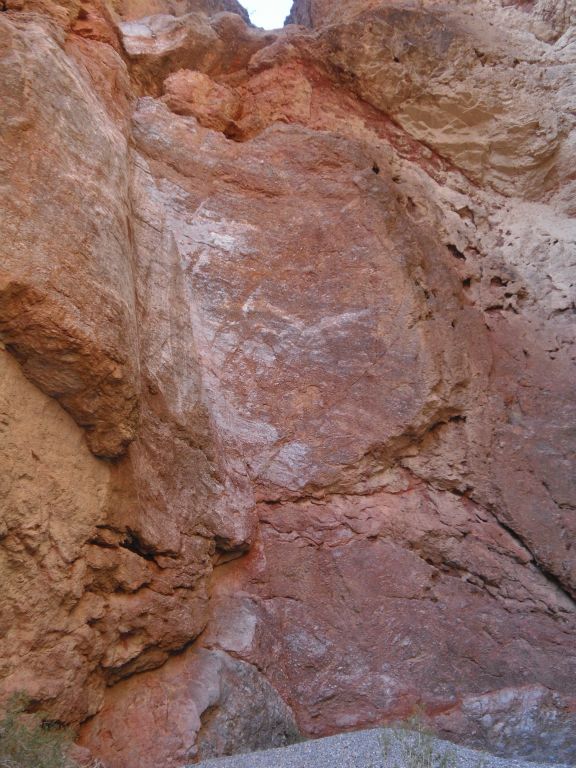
[[202, 704], [309, 297]]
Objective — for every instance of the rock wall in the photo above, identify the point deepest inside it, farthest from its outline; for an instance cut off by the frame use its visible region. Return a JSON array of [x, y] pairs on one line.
[[287, 325]]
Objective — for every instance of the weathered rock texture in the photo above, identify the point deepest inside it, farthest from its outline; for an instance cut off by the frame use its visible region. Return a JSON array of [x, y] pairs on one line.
[[287, 386]]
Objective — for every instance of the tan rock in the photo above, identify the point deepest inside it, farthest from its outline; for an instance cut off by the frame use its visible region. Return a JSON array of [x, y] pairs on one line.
[[54, 494]]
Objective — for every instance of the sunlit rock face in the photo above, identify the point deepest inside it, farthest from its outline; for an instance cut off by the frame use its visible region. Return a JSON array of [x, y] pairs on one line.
[[287, 372]]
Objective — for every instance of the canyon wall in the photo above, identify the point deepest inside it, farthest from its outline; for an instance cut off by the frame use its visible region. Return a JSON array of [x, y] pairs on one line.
[[287, 378]]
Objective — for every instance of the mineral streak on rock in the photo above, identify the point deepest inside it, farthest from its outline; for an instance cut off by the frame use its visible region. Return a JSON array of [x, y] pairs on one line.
[[287, 372]]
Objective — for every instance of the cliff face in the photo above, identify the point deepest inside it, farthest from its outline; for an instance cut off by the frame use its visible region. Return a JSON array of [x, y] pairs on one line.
[[287, 371]]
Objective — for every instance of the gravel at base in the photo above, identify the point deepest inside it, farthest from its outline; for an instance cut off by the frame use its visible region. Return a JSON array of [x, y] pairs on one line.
[[360, 749]]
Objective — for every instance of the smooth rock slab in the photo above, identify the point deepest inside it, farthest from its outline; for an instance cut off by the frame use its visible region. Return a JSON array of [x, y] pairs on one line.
[[377, 748]]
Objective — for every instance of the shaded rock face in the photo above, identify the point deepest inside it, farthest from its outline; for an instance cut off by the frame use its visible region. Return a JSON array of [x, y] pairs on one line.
[[203, 704], [287, 401]]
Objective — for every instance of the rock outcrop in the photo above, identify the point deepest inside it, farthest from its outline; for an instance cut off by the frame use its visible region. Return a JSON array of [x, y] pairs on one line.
[[287, 372]]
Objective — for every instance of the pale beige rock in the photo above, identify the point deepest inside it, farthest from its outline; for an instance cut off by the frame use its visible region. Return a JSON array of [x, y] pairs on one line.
[[445, 72]]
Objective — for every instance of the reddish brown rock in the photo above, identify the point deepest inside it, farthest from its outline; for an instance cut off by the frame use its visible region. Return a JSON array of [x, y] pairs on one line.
[[199, 705], [66, 303], [192, 93], [311, 302], [304, 594], [160, 45], [137, 9], [385, 596], [83, 277]]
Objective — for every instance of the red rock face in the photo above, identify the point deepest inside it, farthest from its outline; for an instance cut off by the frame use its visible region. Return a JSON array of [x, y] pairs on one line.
[[383, 597], [308, 296]]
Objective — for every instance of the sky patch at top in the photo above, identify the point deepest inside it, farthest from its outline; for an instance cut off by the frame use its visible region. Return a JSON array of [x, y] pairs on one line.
[[269, 14]]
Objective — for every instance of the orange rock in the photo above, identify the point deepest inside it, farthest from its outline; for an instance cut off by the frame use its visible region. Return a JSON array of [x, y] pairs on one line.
[[308, 295], [193, 93]]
